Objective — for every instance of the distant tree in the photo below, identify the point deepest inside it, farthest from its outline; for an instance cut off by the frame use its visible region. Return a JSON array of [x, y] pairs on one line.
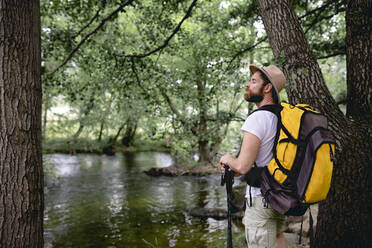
[[200, 83], [345, 217], [21, 174], [87, 48]]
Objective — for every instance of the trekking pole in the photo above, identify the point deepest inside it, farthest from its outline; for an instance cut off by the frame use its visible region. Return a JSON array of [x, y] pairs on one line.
[[228, 179]]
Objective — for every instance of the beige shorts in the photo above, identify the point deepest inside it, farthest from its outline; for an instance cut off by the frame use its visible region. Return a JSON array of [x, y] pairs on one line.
[[262, 224]]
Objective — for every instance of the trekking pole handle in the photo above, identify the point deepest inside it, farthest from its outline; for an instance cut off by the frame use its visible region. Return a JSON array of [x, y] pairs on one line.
[[223, 176], [227, 176]]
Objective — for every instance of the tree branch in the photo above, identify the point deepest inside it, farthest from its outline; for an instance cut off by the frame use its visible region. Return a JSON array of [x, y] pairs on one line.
[[139, 81], [149, 96], [238, 107], [173, 108], [179, 116], [342, 102], [188, 14], [319, 19], [246, 50], [137, 77], [91, 21], [321, 9], [107, 18], [332, 55], [232, 118]]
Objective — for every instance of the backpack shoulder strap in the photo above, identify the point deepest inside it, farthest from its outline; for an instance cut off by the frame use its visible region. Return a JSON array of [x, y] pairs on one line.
[[273, 108], [276, 109]]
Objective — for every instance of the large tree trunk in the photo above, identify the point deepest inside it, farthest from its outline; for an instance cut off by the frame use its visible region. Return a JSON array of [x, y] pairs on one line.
[[21, 174], [353, 187], [345, 217], [359, 66], [130, 132], [359, 59]]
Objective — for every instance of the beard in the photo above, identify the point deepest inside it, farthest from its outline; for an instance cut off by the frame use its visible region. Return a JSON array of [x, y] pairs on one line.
[[255, 98]]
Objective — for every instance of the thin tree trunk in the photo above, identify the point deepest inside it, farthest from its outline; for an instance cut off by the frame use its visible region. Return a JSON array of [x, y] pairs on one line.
[[118, 134], [86, 112], [21, 173], [344, 219], [133, 133], [79, 131], [101, 130]]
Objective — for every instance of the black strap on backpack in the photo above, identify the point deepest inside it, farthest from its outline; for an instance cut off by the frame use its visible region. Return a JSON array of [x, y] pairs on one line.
[[228, 179], [311, 229], [273, 108], [253, 177]]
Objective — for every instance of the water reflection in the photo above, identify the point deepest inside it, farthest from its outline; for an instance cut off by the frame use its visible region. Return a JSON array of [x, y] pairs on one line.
[[107, 201]]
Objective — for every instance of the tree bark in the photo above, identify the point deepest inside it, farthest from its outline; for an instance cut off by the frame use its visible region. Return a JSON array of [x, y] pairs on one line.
[[359, 58], [45, 118], [21, 174], [359, 66], [45, 122], [344, 219]]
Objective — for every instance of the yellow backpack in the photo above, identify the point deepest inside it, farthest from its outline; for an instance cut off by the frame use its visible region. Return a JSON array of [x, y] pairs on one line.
[[300, 172]]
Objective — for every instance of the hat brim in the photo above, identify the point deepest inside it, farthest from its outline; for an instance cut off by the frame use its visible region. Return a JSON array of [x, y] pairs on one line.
[[254, 68]]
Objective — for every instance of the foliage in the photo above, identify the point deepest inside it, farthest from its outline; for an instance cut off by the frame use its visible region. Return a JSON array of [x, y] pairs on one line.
[[187, 95]]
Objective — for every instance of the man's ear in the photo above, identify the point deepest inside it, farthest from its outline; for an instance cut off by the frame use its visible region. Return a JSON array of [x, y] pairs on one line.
[[268, 88]]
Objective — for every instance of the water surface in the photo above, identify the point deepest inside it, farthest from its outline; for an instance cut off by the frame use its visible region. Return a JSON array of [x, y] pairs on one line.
[[107, 201]]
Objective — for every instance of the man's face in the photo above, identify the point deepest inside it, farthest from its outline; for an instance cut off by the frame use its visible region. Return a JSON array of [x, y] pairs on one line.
[[254, 89]]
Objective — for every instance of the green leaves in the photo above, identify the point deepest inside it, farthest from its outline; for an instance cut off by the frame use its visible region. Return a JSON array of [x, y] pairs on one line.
[[190, 90]]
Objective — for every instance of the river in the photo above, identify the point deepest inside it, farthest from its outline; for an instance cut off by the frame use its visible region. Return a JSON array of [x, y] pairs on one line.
[[107, 201]]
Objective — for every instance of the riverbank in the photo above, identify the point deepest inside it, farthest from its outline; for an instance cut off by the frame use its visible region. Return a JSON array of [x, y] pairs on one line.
[[183, 170], [89, 146]]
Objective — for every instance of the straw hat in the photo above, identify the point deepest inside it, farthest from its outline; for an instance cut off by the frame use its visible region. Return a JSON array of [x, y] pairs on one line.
[[275, 75]]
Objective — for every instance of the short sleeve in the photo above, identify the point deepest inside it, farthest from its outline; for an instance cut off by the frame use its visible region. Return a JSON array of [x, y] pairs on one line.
[[256, 124]]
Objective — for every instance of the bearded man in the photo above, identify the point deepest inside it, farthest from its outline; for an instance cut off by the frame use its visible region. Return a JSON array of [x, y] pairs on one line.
[[263, 225]]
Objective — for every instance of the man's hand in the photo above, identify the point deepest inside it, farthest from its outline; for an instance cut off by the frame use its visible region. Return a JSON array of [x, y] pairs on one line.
[[226, 159]]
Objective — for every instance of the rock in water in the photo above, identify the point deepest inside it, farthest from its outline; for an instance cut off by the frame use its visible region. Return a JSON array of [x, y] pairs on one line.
[[215, 213]]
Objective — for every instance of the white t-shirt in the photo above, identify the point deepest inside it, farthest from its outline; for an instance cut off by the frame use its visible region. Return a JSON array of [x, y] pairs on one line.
[[263, 125]]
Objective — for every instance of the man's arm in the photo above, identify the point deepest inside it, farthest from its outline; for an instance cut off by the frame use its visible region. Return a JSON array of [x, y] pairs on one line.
[[248, 153]]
